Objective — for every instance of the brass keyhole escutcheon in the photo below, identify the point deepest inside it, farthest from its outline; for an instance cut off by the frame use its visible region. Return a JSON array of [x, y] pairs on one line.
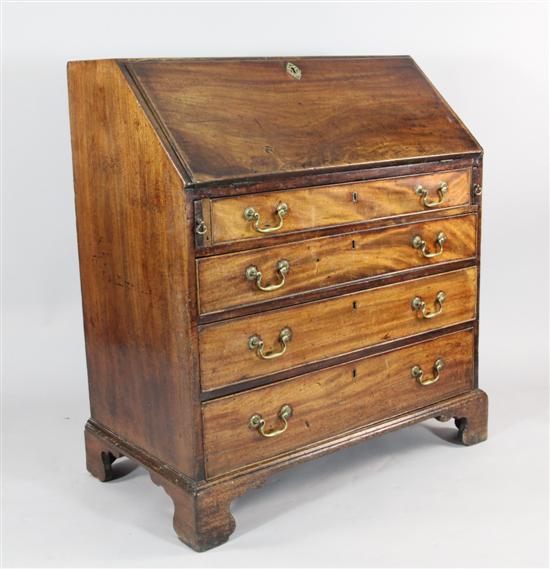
[[293, 70]]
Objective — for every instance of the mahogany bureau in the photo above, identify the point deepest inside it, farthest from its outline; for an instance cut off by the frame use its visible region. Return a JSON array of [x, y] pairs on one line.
[[279, 258]]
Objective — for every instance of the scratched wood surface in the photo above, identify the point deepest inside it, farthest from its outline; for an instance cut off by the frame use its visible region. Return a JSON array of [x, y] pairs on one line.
[[332, 327], [329, 261], [332, 401], [231, 119], [334, 205]]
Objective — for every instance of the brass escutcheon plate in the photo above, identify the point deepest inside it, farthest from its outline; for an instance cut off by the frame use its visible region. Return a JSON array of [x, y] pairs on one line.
[[293, 70]]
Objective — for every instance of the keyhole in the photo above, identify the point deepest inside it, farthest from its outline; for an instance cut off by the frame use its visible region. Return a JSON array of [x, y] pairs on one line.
[[354, 197], [354, 305], [353, 373], [353, 243]]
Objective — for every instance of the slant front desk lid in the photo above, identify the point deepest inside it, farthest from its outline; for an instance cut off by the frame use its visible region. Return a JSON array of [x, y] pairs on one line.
[[230, 120]]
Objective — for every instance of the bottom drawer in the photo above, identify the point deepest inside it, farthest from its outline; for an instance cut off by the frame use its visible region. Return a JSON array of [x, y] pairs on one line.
[[329, 402]]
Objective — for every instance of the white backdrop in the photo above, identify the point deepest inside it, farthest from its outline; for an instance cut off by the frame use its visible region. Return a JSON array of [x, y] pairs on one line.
[[408, 499]]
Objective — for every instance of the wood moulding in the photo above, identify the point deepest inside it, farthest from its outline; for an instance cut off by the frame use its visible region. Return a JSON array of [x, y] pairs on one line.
[[202, 517]]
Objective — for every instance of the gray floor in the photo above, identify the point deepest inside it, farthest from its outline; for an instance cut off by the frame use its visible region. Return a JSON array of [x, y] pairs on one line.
[[412, 498]]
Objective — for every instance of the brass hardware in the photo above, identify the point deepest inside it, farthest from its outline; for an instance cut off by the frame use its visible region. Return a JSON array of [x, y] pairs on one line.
[[253, 274], [257, 422], [250, 214], [201, 228], [256, 343], [418, 374], [477, 190], [419, 306], [419, 243], [423, 194], [293, 70]]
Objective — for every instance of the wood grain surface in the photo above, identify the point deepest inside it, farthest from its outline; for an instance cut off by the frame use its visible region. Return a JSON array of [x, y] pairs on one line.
[[329, 261], [333, 401], [331, 327], [161, 147], [135, 249], [232, 119], [334, 205]]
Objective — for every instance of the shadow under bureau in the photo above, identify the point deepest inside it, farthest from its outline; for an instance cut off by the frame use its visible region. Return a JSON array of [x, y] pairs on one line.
[[279, 258]]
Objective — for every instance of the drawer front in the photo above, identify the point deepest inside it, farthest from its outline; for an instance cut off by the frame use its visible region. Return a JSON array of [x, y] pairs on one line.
[[335, 400], [231, 351], [275, 272], [236, 218]]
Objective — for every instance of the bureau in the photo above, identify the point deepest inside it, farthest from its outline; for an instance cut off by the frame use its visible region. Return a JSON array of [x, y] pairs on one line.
[[279, 258]]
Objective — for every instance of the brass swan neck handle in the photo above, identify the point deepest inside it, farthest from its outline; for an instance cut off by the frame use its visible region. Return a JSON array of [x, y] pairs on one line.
[[253, 274], [250, 214], [257, 422], [422, 193], [418, 373], [257, 344], [421, 245], [419, 306]]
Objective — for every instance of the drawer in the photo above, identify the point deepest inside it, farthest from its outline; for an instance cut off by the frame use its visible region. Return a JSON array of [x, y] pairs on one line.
[[284, 270], [231, 351], [330, 402], [274, 213]]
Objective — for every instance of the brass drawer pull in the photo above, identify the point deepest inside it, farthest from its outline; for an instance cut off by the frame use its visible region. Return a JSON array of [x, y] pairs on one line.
[[253, 274], [257, 422], [201, 228], [418, 374], [419, 306], [420, 244], [423, 194], [256, 343], [250, 214]]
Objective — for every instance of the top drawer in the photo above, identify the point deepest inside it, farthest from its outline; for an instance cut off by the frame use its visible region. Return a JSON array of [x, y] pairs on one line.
[[275, 213]]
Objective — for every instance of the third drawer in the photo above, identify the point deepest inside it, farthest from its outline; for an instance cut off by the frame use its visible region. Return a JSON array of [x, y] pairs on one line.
[[271, 342]]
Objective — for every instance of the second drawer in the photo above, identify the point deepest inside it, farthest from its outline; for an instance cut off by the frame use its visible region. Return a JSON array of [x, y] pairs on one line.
[[257, 276], [278, 340]]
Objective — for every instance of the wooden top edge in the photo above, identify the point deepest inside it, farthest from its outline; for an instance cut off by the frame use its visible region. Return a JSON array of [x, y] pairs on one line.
[[237, 58]]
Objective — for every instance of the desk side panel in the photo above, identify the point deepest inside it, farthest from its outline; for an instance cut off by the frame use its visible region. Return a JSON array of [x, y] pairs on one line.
[[136, 262]]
